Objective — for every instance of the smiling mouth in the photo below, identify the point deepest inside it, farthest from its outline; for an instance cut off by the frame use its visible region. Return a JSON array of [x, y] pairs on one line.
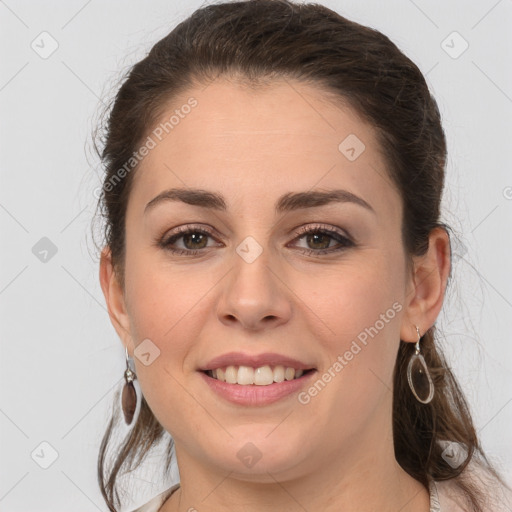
[[262, 376]]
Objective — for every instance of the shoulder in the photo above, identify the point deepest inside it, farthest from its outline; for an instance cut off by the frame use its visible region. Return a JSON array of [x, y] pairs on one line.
[[156, 502], [495, 496]]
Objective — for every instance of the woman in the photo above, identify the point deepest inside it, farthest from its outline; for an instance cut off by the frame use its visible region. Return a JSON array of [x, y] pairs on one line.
[[274, 265]]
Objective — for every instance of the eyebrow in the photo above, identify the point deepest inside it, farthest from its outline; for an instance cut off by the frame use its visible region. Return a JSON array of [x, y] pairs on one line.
[[288, 202]]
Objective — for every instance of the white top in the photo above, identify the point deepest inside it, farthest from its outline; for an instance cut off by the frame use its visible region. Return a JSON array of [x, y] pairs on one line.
[[444, 497]]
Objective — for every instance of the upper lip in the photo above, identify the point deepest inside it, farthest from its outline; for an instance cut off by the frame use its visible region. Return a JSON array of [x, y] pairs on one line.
[[254, 361]]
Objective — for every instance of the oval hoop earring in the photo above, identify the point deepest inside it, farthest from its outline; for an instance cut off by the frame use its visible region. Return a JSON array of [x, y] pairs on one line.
[[418, 375]]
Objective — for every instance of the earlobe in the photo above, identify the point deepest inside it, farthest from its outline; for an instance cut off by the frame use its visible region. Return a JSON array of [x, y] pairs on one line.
[[114, 298], [429, 280]]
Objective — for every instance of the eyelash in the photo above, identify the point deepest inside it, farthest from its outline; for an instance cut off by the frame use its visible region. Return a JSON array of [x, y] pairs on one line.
[[300, 233]]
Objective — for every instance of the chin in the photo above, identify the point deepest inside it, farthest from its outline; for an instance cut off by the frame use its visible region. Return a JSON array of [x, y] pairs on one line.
[[253, 457]]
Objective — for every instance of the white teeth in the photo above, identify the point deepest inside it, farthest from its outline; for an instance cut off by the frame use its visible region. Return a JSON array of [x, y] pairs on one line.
[[245, 375], [262, 376], [231, 375], [289, 373], [279, 374]]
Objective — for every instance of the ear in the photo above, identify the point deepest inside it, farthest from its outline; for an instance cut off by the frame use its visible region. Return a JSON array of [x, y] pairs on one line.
[[114, 297], [426, 286]]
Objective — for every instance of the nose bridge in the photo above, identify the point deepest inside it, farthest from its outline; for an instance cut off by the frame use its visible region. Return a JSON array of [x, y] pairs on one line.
[[254, 293]]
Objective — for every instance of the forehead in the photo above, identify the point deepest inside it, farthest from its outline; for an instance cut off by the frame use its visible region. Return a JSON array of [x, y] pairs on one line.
[[260, 143]]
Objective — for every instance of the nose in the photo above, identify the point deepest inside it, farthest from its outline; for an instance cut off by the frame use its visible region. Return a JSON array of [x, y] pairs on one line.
[[255, 295]]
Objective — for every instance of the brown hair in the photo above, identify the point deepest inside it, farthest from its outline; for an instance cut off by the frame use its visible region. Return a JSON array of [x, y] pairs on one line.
[[256, 41]]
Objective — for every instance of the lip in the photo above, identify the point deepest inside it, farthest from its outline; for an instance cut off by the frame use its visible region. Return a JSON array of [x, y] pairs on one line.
[[255, 361], [256, 395]]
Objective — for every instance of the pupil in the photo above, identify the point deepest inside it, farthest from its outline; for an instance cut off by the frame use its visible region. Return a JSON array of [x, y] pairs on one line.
[[310, 237], [194, 237]]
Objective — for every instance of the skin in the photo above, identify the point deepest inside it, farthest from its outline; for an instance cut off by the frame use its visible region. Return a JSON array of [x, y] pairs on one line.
[[336, 452]]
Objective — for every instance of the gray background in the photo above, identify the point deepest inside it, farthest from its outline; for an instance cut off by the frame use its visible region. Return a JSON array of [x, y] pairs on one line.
[[61, 360]]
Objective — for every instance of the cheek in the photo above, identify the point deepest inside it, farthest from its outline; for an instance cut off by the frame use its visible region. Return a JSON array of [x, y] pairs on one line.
[[163, 309], [167, 306], [162, 299], [357, 377], [354, 297], [363, 310]]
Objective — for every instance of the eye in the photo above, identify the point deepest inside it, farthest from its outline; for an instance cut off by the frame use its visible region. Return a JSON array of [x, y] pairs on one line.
[[321, 237], [195, 239]]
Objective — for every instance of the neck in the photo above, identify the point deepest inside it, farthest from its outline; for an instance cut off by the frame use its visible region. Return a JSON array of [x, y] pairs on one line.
[[333, 487], [337, 481], [389, 492]]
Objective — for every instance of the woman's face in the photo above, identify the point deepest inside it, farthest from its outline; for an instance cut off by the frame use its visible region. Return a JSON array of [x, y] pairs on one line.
[[246, 280]]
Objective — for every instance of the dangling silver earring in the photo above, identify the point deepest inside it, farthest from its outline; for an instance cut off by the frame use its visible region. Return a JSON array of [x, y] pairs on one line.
[[418, 376], [129, 399]]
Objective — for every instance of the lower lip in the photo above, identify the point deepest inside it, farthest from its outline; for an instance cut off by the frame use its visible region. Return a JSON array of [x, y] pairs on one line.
[[257, 395]]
